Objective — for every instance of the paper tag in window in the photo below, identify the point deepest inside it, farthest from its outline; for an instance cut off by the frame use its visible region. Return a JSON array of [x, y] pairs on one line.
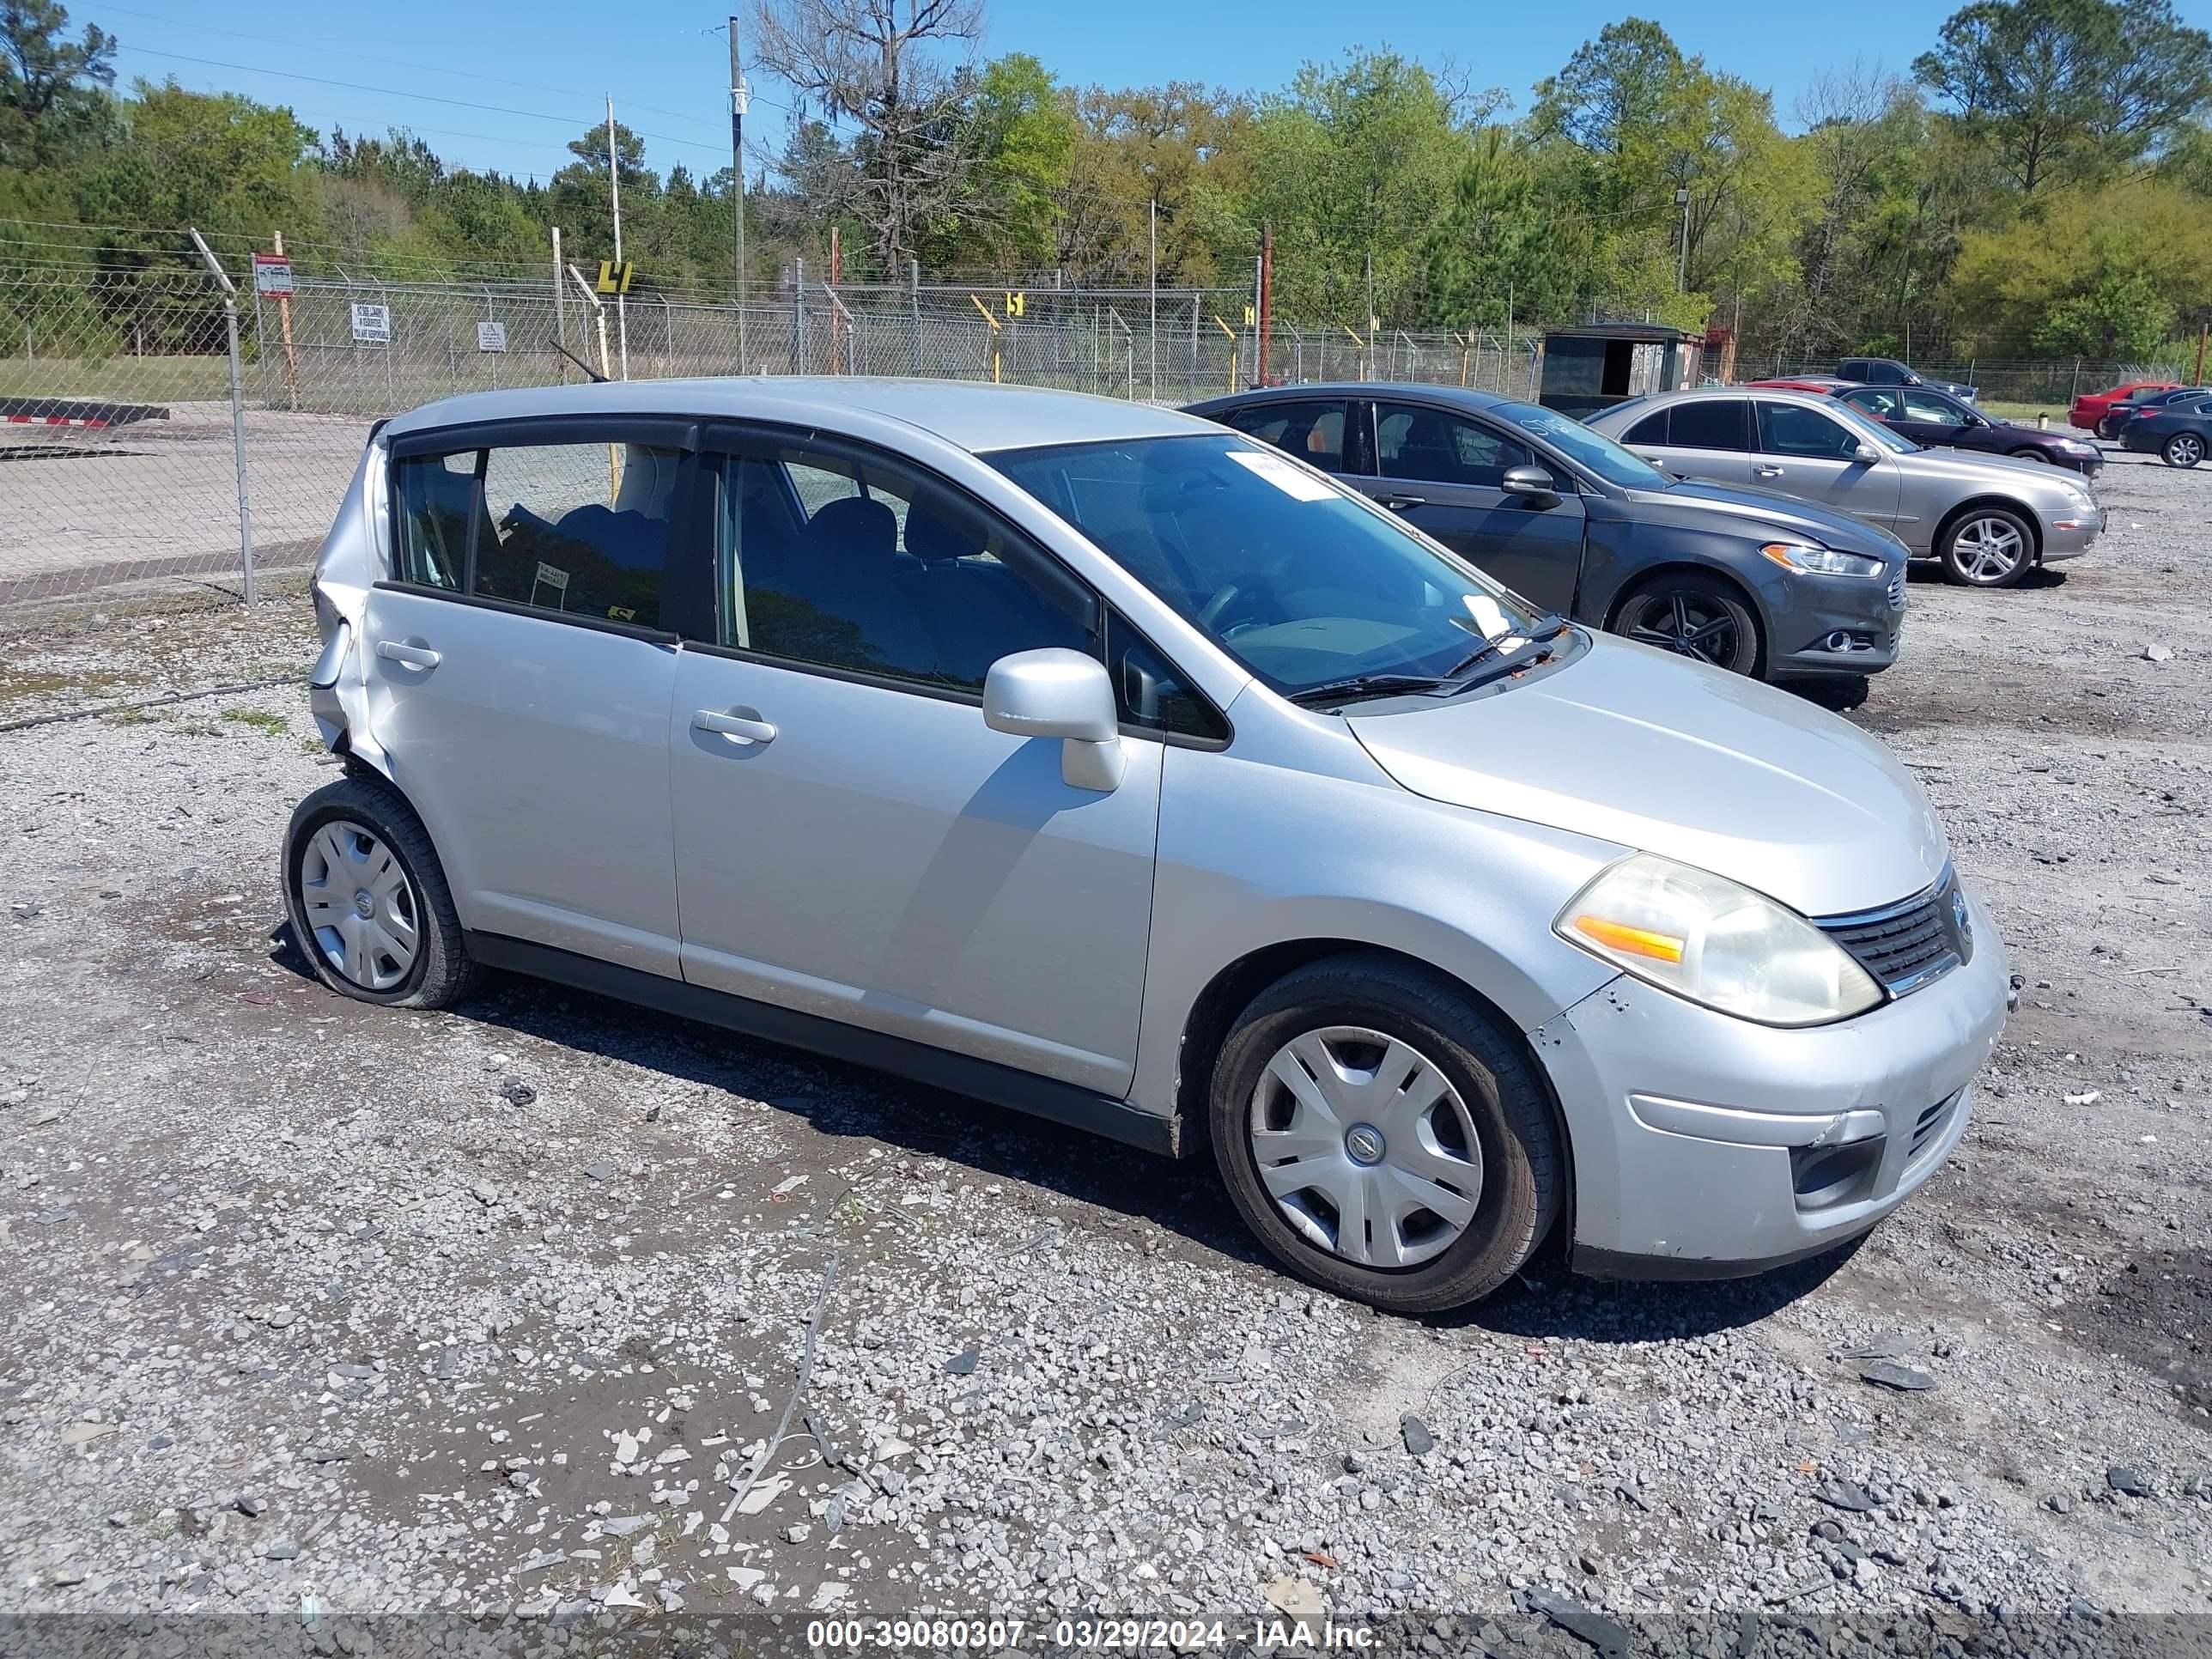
[[1281, 474], [554, 577]]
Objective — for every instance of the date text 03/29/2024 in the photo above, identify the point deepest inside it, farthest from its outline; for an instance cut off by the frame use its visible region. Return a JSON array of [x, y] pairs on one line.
[[1093, 1635]]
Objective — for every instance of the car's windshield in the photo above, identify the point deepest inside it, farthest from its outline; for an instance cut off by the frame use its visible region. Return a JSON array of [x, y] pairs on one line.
[[1594, 450], [1870, 429], [1301, 581]]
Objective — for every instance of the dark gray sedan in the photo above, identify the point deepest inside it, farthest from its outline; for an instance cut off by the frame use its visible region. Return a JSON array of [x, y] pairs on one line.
[[1742, 578]]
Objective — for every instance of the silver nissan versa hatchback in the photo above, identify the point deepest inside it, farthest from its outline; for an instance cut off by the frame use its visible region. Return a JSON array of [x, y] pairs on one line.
[[1100, 762]]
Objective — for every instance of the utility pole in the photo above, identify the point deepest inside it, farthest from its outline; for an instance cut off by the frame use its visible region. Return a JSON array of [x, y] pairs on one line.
[[614, 191], [1156, 293], [1682, 271], [1267, 294], [737, 101]]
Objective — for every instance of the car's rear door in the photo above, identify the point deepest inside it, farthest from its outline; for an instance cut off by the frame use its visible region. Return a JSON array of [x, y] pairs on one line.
[[521, 666], [851, 840], [1805, 452], [1443, 471], [1697, 437]]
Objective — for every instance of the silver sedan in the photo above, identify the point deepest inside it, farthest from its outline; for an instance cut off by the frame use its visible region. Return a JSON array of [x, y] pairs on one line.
[[1990, 518]]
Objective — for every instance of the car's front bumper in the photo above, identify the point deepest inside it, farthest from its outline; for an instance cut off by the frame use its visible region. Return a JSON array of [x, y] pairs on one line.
[[1834, 625], [1706, 1146], [2066, 538]]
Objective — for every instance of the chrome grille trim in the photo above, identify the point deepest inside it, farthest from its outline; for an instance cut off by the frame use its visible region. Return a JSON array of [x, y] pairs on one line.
[[1904, 945]]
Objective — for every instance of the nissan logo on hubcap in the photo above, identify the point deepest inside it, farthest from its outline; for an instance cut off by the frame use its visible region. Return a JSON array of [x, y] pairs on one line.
[[1363, 1142]]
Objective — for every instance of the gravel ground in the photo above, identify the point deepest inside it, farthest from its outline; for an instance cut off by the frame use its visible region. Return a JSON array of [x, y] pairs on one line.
[[550, 1313]]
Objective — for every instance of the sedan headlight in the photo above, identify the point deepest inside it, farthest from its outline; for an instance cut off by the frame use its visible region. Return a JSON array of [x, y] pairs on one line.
[[2076, 447], [1807, 559], [1715, 942]]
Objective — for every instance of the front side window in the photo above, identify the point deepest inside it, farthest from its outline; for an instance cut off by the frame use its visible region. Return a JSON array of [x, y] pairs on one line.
[[1414, 442], [581, 529], [1297, 579], [1712, 424], [1592, 449], [1793, 429], [1882, 405], [1314, 432], [1918, 406], [865, 565]]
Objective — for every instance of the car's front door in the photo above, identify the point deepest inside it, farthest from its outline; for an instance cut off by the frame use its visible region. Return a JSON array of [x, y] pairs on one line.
[[851, 840], [1443, 472], [1807, 453], [519, 675]]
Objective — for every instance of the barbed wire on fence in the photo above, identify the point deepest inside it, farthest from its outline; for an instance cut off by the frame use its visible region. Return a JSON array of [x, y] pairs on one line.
[[121, 463]]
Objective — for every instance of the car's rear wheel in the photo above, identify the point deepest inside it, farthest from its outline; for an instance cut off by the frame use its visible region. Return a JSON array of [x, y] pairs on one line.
[[1986, 547], [367, 898], [2107, 426], [2184, 449], [1383, 1137], [1694, 615]]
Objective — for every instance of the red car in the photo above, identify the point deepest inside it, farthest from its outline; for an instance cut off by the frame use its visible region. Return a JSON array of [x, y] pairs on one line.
[[1814, 383], [2091, 408]]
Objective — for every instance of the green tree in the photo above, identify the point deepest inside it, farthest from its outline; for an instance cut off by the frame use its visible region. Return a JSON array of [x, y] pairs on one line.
[[46, 78], [1023, 131], [2069, 89]]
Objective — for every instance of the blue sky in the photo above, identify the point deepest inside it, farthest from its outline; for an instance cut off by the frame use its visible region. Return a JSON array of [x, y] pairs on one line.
[[490, 73]]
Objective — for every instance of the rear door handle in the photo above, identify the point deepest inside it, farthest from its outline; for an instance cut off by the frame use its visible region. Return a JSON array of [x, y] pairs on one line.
[[745, 726], [1768, 471], [414, 656], [1400, 503]]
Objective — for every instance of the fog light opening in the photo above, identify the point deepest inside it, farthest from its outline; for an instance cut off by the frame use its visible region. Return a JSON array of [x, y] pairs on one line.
[[1824, 1176]]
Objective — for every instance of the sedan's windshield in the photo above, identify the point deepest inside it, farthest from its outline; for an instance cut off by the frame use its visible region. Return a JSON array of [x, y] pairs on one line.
[[1591, 449], [1299, 579]]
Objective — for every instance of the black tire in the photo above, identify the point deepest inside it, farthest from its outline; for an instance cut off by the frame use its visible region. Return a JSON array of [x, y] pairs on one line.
[[1672, 610], [2183, 449], [1961, 557], [440, 973], [1524, 1166], [2107, 426], [2029, 452]]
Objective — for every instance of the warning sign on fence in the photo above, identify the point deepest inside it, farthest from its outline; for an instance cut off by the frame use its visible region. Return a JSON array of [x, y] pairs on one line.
[[491, 337], [272, 274], [372, 324]]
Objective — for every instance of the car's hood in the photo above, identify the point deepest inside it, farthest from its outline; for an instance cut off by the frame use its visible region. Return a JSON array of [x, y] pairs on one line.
[[1965, 465], [1785, 515], [1652, 751]]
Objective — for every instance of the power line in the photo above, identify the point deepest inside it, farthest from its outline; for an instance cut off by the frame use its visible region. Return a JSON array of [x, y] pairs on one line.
[[398, 63], [425, 97]]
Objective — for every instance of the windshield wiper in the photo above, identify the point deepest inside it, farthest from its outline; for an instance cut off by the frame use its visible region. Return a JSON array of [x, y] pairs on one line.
[[1544, 629], [1367, 685]]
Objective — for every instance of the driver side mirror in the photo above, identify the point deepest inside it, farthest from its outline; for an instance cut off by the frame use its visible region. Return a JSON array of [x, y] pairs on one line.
[[1534, 482], [1059, 693], [1865, 453]]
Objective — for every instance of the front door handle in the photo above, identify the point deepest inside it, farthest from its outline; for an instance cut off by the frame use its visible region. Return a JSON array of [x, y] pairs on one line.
[[414, 656], [1768, 471], [740, 725], [1400, 503]]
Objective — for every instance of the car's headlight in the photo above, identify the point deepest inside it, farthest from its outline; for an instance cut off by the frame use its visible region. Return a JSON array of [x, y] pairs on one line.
[[1821, 561], [1715, 942], [2076, 447]]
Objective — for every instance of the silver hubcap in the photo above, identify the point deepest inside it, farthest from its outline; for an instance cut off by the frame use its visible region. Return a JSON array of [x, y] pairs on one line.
[[2187, 451], [1365, 1146], [359, 905], [1987, 550]]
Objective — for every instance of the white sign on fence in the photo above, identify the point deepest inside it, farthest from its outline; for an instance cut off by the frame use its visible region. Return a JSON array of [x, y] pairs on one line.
[[372, 324], [272, 274], [491, 337]]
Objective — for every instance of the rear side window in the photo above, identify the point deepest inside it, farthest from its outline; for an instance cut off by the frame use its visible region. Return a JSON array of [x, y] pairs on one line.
[[1883, 405], [1651, 429], [578, 530], [1712, 423], [1314, 432]]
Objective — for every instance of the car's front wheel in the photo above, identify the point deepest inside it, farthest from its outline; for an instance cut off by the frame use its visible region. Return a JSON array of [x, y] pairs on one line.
[[1986, 547], [2030, 453], [2184, 449], [1383, 1137], [369, 900], [1695, 616]]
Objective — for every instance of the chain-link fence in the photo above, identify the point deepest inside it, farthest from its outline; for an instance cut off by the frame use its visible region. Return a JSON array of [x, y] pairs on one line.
[[124, 465]]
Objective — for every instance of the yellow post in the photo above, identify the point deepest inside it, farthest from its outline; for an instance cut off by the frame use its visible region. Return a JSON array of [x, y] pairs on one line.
[[984, 311], [1361, 344], [1460, 340], [1231, 333]]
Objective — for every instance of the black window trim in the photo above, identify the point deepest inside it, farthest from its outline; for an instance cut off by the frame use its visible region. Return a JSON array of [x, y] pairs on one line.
[[680, 585], [704, 510]]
